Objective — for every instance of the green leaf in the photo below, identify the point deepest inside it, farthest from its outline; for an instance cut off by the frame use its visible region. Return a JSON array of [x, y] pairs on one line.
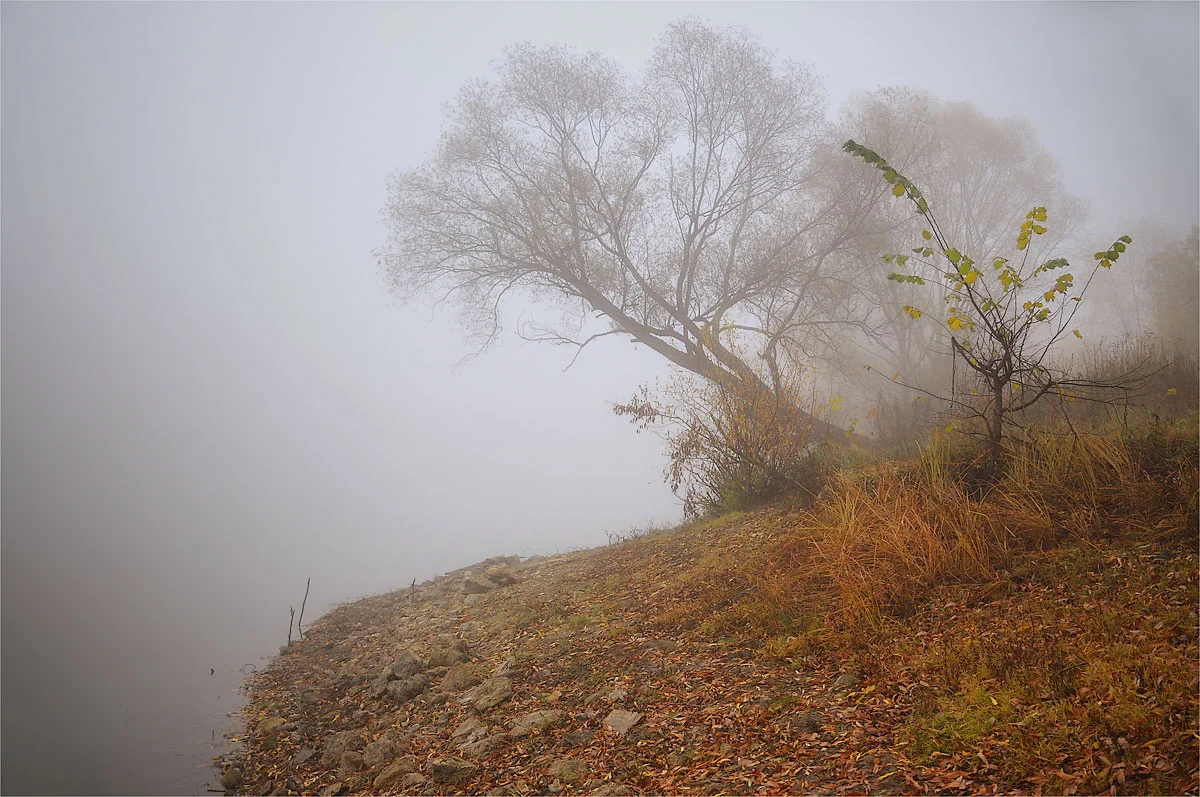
[[890, 175], [922, 205], [926, 234], [954, 255], [901, 260]]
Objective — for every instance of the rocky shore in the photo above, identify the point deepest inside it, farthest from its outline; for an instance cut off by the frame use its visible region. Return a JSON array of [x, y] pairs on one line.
[[546, 676]]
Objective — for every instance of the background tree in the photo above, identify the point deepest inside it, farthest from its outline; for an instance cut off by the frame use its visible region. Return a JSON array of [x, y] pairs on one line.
[[680, 208], [989, 172], [1174, 284], [1002, 318]]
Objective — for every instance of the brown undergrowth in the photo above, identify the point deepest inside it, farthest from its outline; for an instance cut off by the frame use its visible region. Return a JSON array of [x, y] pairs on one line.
[[917, 630]]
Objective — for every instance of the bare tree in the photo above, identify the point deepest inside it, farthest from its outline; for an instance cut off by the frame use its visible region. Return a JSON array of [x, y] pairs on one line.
[[700, 201]]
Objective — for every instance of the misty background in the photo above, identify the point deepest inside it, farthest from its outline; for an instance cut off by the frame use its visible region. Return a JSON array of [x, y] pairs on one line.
[[209, 395]]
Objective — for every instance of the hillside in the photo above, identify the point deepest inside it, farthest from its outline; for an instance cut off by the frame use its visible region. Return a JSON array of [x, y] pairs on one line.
[[898, 636]]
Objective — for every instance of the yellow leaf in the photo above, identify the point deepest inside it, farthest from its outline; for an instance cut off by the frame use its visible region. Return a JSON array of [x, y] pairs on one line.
[[1077, 334], [895, 376], [926, 234], [1172, 392], [897, 190], [912, 311], [971, 276]]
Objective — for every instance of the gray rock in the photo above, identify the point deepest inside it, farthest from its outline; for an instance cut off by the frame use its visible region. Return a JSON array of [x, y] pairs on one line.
[[613, 789], [470, 727], [271, 724], [406, 665], [338, 744], [231, 778], [378, 752], [846, 680], [569, 770], [809, 722], [472, 586], [333, 789], [451, 769], [351, 762], [578, 738], [538, 720], [413, 779], [431, 699], [507, 667], [481, 747], [617, 696], [401, 691], [460, 677], [303, 754], [491, 693], [449, 654], [622, 721], [500, 576], [471, 600], [379, 686], [396, 772]]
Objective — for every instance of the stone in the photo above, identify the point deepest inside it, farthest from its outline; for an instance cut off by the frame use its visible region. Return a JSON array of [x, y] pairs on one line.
[[622, 721], [491, 693], [231, 778], [846, 680], [449, 654], [507, 667], [406, 665], [538, 720], [413, 779], [472, 586], [379, 686], [459, 678], [303, 754], [271, 724], [401, 691], [378, 752], [470, 727], [613, 789], [351, 762], [471, 600], [431, 699], [617, 696], [482, 747], [662, 645], [809, 722], [578, 738], [451, 769], [395, 772], [500, 576], [569, 770], [338, 744], [332, 789]]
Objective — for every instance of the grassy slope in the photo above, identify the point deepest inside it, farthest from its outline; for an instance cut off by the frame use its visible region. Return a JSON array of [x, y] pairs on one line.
[[1041, 636]]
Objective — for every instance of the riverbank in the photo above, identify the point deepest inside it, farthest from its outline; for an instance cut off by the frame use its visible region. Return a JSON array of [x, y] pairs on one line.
[[684, 661]]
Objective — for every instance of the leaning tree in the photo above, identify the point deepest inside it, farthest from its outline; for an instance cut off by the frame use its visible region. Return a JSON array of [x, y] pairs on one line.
[[693, 204]]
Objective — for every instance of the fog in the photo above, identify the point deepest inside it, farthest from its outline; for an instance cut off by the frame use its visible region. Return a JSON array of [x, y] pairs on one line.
[[209, 394]]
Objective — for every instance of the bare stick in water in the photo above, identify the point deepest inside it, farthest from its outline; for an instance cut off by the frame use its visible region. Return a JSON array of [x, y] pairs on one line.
[[307, 584]]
